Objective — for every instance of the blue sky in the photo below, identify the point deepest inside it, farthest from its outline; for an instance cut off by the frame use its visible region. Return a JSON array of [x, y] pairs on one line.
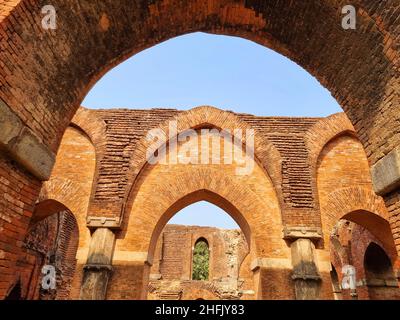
[[226, 72]]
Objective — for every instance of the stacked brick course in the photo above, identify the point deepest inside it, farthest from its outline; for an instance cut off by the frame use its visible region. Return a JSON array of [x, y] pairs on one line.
[[43, 81]]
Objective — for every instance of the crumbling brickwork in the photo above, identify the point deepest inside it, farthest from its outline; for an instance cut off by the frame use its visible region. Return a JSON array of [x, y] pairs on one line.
[[102, 168], [44, 75], [52, 241], [350, 242], [171, 273], [19, 191]]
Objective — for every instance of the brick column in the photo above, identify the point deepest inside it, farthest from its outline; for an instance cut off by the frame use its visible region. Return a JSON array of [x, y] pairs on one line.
[[99, 265], [306, 277]]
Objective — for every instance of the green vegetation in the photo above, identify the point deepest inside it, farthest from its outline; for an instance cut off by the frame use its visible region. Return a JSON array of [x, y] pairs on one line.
[[201, 257]]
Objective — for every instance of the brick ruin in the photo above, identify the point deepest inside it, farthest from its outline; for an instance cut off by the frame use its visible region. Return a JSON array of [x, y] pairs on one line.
[[305, 211], [309, 173], [171, 274]]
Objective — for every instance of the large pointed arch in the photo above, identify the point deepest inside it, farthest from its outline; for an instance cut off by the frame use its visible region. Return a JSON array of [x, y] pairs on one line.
[[361, 206], [196, 196], [287, 29], [265, 152]]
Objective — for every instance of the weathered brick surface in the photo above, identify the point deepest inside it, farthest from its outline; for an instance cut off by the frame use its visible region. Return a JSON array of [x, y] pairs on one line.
[[297, 180], [52, 241], [18, 192], [349, 242], [340, 59], [171, 273], [70, 185], [343, 197], [44, 76]]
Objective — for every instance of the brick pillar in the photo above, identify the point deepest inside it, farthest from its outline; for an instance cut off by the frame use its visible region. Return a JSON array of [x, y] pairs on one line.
[[99, 265], [306, 276], [307, 279]]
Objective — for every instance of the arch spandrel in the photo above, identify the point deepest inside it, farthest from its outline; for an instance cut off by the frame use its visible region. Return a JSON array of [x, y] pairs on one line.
[[162, 190], [287, 29]]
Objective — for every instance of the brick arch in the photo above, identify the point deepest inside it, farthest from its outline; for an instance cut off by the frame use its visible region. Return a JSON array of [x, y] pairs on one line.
[[70, 194], [155, 202], [93, 128], [353, 199], [44, 99], [361, 247], [324, 131], [318, 139], [197, 196], [365, 229], [142, 24], [163, 189], [361, 206], [180, 189], [265, 152], [202, 238], [390, 253], [359, 250]]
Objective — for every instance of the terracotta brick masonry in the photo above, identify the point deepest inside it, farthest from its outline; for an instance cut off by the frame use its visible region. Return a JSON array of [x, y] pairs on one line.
[[45, 74]]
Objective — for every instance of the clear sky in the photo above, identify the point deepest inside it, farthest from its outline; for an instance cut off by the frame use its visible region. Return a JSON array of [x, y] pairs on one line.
[[226, 72]]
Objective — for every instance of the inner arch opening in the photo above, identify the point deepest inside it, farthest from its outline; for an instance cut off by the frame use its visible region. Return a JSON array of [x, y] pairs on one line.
[[201, 247], [204, 214], [205, 69]]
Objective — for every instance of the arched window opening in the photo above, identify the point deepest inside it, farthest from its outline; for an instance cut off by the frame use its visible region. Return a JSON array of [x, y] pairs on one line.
[[201, 247], [377, 264], [380, 277], [201, 260], [222, 65]]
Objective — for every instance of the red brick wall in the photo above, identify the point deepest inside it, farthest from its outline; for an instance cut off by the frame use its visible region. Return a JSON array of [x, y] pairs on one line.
[[351, 246], [18, 193], [172, 268], [287, 27], [57, 236], [392, 201], [343, 186], [284, 27]]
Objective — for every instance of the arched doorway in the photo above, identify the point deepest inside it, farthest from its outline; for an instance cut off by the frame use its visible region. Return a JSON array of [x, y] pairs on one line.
[[67, 80], [354, 244], [380, 277], [164, 188], [211, 255]]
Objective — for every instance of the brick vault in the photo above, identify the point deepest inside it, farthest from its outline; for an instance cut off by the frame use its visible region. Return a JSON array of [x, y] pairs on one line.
[[306, 210], [294, 191]]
